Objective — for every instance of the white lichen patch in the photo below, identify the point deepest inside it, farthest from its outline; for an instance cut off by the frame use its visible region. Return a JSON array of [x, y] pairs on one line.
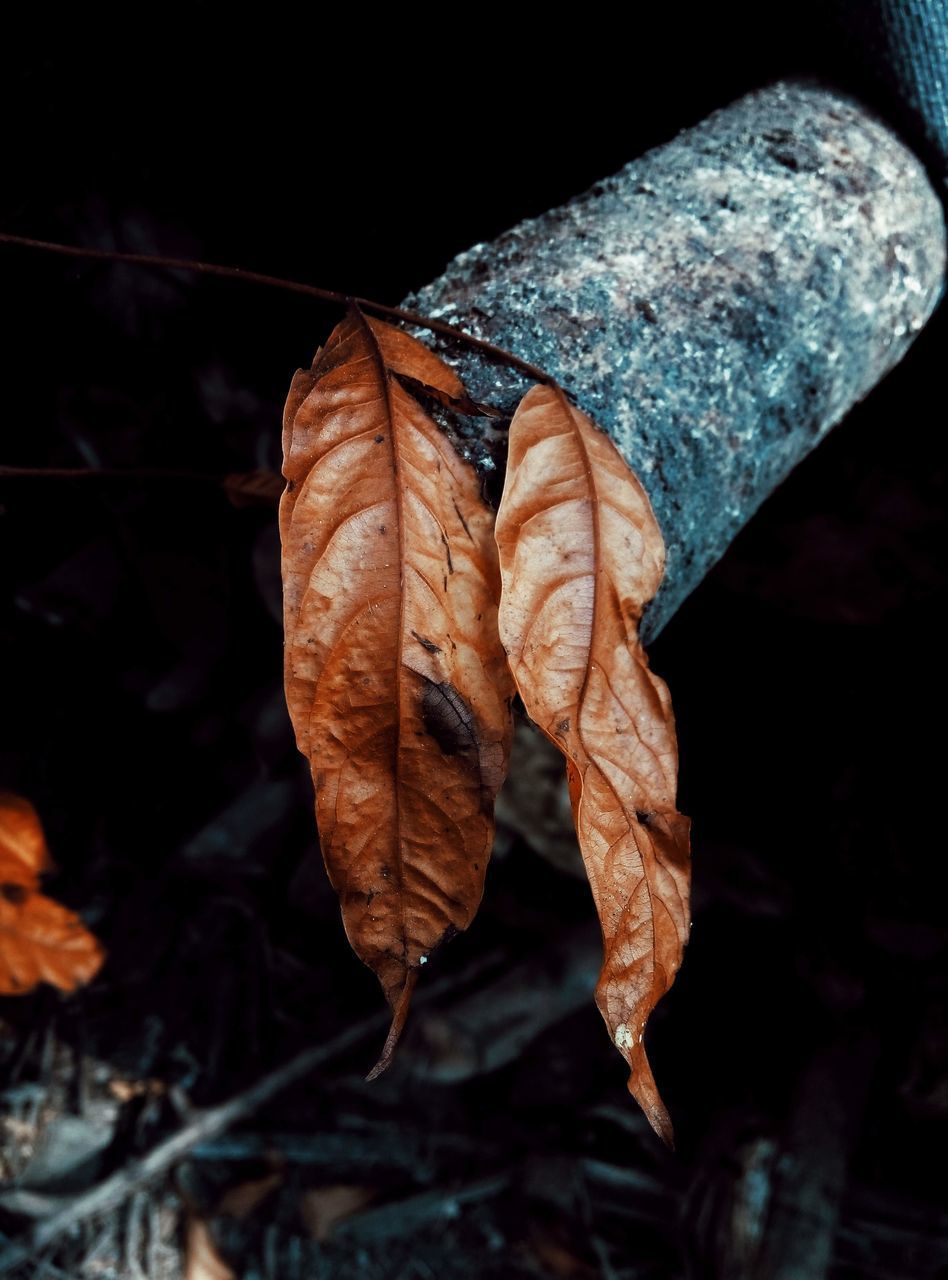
[[625, 1037]]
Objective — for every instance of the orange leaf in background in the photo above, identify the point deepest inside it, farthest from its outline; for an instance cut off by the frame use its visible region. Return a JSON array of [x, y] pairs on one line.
[[323, 1207], [253, 488], [203, 1259], [396, 681], [581, 554], [23, 853], [40, 941]]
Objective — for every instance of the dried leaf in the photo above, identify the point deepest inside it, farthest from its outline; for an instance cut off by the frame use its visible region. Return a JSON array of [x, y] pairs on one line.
[[23, 853], [202, 1258], [422, 369], [323, 1207], [406, 356], [581, 554], [395, 678], [40, 941], [557, 1259], [241, 1200], [253, 488]]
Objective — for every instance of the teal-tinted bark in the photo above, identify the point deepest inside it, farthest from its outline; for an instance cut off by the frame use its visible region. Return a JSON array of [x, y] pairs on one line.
[[716, 306]]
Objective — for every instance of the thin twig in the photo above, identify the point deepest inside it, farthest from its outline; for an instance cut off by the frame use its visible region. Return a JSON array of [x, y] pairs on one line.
[[111, 473], [242, 488], [210, 1123], [205, 1125], [279, 282]]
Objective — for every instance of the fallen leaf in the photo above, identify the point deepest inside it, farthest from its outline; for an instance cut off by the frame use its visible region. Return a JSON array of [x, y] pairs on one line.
[[557, 1259], [202, 1258], [323, 1207], [40, 940], [241, 1200], [23, 853], [396, 681], [581, 554], [253, 488], [125, 1090]]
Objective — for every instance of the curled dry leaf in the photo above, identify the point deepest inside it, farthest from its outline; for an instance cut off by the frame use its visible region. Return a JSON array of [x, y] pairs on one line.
[[40, 941], [395, 678], [581, 554]]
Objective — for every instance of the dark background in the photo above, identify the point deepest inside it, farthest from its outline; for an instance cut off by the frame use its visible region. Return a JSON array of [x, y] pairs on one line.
[[140, 694]]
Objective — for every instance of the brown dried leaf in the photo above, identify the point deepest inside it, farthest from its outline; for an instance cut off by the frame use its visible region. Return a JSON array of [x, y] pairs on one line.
[[253, 488], [406, 356], [557, 1259], [40, 941], [395, 678], [422, 369], [241, 1200], [23, 853], [202, 1257], [580, 555], [322, 1207]]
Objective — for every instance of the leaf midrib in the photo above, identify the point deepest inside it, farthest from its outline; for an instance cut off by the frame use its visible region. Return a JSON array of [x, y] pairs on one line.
[[581, 697], [386, 380]]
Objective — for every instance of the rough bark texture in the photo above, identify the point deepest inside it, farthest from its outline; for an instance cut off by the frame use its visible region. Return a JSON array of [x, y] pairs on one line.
[[716, 306]]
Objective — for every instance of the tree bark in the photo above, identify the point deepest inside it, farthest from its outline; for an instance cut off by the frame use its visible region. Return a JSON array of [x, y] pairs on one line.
[[716, 306]]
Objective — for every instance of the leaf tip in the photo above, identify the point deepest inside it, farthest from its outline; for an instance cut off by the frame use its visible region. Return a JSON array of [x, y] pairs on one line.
[[399, 1014], [644, 1090]]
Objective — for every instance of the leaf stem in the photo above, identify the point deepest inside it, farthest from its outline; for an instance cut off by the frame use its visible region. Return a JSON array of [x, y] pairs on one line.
[[112, 473], [442, 327]]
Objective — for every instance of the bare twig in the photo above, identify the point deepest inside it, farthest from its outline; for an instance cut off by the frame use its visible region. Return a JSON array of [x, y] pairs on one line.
[[210, 1123], [110, 473], [279, 282], [205, 1125]]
